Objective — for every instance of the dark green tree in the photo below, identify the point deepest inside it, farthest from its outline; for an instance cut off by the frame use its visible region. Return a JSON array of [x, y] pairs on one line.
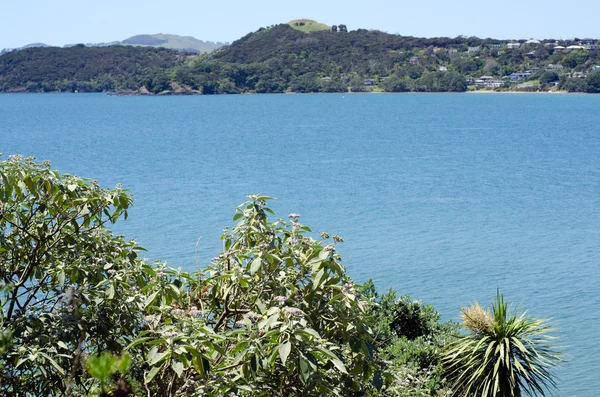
[[593, 81]]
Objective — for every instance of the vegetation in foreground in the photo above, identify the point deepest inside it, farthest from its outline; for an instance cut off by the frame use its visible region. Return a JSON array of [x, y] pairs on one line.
[[81, 313]]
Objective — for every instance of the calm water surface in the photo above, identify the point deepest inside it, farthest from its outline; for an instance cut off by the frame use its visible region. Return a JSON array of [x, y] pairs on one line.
[[442, 197]]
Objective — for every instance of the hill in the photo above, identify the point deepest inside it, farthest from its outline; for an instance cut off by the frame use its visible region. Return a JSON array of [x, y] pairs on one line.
[[172, 41], [282, 58], [87, 69], [308, 25]]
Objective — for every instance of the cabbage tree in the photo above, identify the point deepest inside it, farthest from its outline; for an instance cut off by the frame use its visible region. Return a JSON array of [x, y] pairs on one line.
[[504, 353]]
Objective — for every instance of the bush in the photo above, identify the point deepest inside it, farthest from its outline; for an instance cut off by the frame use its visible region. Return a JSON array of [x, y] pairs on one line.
[[275, 313], [71, 287]]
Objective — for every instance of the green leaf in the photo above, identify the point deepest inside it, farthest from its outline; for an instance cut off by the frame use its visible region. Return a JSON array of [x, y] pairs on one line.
[[110, 292], [378, 381], [137, 342], [152, 373], [284, 351], [124, 363], [60, 278], [177, 367], [237, 216], [339, 365], [160, 357], [255, 265], [150, 299], [54, 364]]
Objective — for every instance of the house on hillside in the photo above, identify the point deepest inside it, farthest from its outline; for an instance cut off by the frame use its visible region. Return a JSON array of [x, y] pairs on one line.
[[452, 51], [531, 55], [443, 68], [578, 75], [520, 76], [554, 68], [586, 41], [369, 82], [513, 45], [592, 47], [495, 46], [489, 82], [473, 50], [532, 41], [414, 60]]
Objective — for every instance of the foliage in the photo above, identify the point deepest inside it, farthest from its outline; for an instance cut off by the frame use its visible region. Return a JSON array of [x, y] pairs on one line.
[[288, 57], [573, 84], [593, 81], [84, 69], [274, 313], [395, 84], [504, 353], [548, 77], [104, 367], [409, 337], [72, 287]]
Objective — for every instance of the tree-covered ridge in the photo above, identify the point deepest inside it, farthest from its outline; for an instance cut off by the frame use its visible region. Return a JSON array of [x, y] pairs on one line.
[[81, 68], [282, 58]]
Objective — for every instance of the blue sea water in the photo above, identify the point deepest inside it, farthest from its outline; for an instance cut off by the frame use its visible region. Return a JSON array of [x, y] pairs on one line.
[[443, 197]]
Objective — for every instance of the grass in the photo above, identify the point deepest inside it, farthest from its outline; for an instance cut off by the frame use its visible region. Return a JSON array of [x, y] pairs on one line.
[[309, 25]]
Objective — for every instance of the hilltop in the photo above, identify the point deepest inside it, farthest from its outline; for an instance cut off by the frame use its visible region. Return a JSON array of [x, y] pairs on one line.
[[284, 58], [308, 25]]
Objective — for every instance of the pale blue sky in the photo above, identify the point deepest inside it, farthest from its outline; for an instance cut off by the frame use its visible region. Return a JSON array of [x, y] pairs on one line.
[[59, 22]]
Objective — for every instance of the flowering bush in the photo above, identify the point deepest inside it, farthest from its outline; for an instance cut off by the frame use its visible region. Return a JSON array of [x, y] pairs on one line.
[[273, 314]]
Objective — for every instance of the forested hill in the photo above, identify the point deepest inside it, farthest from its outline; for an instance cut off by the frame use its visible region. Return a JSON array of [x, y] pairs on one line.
[[81, 68], [284, 58], [339, 47]]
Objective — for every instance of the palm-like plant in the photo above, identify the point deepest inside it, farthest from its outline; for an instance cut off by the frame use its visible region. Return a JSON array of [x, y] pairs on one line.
[[503, 354]]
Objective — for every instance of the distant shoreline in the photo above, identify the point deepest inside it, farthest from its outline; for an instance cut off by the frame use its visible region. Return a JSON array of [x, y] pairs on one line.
[[133, 94]]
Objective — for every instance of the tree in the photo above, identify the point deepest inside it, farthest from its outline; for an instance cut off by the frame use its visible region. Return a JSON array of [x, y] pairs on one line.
[[504, 353], [357, 84], [334, 28], [69, 287], [343, 28], [593, 81], [548, 77], [394, 84], [305, 83]]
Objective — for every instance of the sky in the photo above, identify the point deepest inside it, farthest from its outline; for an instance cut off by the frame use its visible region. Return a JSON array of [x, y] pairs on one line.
[[59, 22]]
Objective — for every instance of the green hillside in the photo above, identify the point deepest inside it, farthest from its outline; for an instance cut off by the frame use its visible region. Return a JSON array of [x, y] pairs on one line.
[[173, 41], [285, 59], [87, 69], [308, 25]]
